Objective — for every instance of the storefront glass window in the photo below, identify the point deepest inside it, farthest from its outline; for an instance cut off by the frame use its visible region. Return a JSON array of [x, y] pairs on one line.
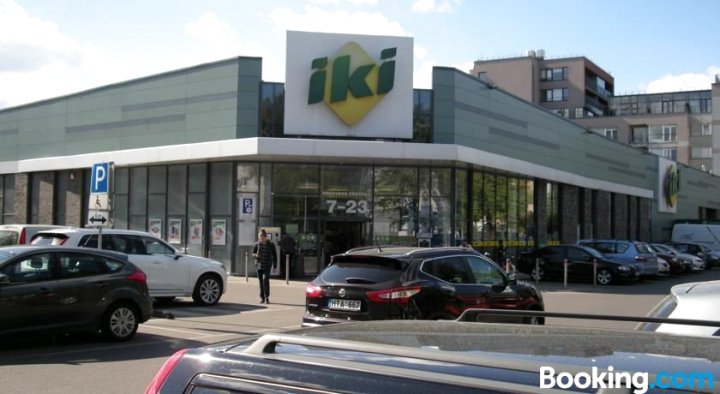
[[512, 221], [553, 218], [120, 198], [488, 201], [138, 198], [461, 206], [395, 211]]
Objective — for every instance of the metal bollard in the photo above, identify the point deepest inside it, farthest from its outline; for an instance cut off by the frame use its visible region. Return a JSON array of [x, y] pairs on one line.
[[537, 270], [595, 272], [287, 269], [565, 273], [246, 266]]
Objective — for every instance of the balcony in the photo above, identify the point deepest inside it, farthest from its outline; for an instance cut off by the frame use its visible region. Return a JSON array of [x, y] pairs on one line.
[[591, 85]]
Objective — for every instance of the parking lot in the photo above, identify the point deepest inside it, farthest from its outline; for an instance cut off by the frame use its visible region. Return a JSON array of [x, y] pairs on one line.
[[79, 364]]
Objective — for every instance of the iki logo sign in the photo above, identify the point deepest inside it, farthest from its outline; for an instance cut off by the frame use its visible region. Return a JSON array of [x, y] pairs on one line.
[[351, 94], [348, 85], [668, 185]]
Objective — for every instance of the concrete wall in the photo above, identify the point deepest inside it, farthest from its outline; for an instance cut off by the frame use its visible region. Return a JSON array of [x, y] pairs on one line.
[[215, 101]]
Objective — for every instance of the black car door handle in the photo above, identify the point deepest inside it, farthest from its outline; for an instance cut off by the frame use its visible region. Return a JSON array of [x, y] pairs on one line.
[[43, 291]]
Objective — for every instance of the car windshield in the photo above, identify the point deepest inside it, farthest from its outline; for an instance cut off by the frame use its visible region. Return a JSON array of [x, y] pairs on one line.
[[8, 237], [48, 239], [5, 255]]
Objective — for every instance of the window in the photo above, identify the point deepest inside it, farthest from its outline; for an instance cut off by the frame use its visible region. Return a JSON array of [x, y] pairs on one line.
[[575, 254], [669, 133], [560, 94], [449, 269], [76, 265], [579, 113], [155, 246], [706, 129], [701, 153], [640, 135], [611, 134], [35, 268], [661, 134], [485, 272], [554, 74], [564, 112], [668, 153]]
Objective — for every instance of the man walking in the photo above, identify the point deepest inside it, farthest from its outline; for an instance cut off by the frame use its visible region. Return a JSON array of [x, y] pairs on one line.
[[265, 259]]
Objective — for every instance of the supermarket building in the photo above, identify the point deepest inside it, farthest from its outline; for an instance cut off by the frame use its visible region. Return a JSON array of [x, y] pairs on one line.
[[345, 153]]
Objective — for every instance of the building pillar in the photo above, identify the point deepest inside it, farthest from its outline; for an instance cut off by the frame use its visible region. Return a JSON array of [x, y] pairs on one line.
[[73, 198], [602, 215], [22, 187], [645, 221], [46, 197], [621, 211], [568, 213], [540, 212], [588, 214], [633, 218]]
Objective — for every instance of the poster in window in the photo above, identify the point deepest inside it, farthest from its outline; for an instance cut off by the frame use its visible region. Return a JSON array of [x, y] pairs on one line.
[[196, 231], [175, 231], [155, 227], [219, 229]]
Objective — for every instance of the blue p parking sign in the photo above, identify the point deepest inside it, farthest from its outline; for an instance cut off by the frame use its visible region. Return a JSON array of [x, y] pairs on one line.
[[247, 206], [100, 179]]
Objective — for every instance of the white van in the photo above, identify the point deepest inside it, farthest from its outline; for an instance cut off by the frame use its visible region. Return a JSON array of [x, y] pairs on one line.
[[707, 234], [20, 234]]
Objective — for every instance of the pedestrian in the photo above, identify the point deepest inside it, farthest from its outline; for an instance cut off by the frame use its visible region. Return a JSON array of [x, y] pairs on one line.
[[288, 248], [265, 259]]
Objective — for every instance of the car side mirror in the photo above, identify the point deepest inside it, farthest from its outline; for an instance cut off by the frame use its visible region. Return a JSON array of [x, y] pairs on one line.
[[511, 279], [4, 279], [177, 256]]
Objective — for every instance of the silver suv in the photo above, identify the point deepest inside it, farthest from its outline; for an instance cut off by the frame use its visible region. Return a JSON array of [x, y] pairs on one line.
[[170, 273], [629, 252]]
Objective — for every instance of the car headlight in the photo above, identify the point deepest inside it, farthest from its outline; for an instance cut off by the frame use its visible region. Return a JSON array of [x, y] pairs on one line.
[[623, 268]]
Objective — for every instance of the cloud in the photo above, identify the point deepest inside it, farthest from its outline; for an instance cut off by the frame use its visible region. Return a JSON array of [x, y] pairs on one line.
[[356, 3], [440, 6], [316, 19], [28, 43], [683, 82]]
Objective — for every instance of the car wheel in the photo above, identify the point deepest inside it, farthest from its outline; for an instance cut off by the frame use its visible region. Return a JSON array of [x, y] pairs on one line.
[[604, 277], [207, 290], [120, 322], [537, 274]]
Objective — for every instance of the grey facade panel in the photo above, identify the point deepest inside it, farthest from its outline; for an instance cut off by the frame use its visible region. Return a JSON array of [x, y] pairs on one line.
[[564, 144], [169, 108]]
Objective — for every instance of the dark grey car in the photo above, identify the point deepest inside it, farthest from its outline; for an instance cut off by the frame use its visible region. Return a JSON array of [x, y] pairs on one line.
[[59, 289]]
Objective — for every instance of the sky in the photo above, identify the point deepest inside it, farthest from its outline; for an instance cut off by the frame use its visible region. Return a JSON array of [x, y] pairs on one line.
[[50, 48]]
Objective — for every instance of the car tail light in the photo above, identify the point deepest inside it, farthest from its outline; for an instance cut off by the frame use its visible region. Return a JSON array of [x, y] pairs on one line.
[[313, 291], [138, 275], [399, 295], [21, 240], [162, 375]]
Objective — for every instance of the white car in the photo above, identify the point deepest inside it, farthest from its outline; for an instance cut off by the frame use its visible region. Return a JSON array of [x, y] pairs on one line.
[[698, 300], [169, 273]]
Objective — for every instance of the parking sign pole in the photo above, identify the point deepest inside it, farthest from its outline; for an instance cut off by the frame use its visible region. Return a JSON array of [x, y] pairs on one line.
[[100, 237], [246, 266], [537, 270], [565, 273], [287, 269]]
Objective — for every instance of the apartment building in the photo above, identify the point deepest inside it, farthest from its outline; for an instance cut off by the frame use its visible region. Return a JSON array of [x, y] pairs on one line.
[[674, 125], [573, 87]]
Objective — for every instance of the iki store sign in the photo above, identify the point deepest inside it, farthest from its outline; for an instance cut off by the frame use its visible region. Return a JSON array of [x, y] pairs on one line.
[[348, 85]]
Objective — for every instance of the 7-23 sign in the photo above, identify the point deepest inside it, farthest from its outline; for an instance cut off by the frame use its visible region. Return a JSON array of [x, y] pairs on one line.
[[348, 207]]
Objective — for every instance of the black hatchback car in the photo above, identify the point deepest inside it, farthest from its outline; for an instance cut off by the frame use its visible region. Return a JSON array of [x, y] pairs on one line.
[[60, 289], [581, 260], [381, 283]]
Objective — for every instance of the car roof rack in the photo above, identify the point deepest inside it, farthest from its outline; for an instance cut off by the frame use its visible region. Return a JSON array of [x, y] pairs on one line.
[[473, 314], [266, 345]]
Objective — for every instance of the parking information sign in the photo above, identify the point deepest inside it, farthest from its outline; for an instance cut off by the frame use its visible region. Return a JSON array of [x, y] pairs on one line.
[[100, 188]]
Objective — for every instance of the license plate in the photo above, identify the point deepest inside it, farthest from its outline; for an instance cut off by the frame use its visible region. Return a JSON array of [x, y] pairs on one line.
[[344, 305]]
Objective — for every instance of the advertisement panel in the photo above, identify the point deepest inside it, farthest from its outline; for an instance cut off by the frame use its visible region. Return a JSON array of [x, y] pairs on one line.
[[346, 85]]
